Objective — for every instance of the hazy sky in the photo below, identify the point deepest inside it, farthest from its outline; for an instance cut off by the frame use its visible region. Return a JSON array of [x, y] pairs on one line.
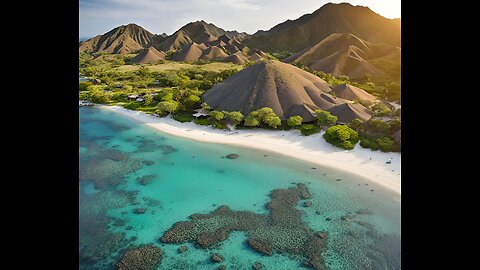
[[158, 16]]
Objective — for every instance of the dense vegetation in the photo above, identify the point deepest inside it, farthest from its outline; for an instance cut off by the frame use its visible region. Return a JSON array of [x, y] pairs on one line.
[[178, 92]]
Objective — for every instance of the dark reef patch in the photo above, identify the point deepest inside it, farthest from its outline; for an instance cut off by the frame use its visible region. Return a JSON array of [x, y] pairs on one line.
[[146, 179], [142, 258], [280, 231]]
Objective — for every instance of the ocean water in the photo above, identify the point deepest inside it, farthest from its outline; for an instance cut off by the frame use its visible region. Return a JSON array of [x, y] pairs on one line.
[[126, 166]]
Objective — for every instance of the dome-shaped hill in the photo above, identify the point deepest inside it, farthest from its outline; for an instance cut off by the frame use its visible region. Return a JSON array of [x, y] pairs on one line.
[[344, 54], [191, 52], [234, 59], [147, 56], [282, 87], [212, 53], [346, 112], [350, 92]]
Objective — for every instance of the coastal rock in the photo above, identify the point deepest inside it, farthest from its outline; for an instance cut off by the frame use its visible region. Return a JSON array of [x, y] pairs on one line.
[[182, 249], [307, 204], [146, 257], [216, 258], [258, 266], [232, 156], [139, 211], [260, 247]]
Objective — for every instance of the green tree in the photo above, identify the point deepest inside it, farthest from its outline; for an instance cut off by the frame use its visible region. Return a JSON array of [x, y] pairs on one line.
[[167, 97], [167, 106], [234, 117], [395, 125], [378, 125], [148, 99], [192, 100], [325, 118], [356, 124], [341, 136], [294, 121], [264, 112], [381, 109], [385, 144], [251, 121], [273, 121], [216, 115]]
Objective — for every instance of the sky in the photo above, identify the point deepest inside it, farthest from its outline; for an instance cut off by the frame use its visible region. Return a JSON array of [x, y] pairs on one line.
[[167, 16]]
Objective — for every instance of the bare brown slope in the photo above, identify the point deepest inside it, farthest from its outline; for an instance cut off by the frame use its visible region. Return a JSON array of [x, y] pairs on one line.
[[121, 40], [234, 59], [348, 111], [191, 52], [212, 53], [147, 56], [331, 18], [174, 42], [282, 87], [344, 54], [350, 92]]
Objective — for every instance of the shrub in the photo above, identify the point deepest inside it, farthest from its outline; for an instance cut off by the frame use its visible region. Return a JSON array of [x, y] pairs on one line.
[[385, 144], [356, 124], [378, 125], [325, 118], [341, 136], [309, 129], [294, 121], [216, 115], [273, 121], [183, 117], [251, 121], [234, 117], [381, 109], [132, 105], [167, 106]]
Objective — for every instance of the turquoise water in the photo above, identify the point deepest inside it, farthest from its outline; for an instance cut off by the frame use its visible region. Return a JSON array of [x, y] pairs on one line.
[[183, 177]]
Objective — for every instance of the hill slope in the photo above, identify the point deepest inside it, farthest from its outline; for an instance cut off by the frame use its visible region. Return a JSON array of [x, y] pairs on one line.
[[121, 40], [346, 54], [331, 18], [147, 56]]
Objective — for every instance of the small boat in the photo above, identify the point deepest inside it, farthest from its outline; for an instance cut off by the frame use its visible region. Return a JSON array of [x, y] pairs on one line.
[[389, 161]]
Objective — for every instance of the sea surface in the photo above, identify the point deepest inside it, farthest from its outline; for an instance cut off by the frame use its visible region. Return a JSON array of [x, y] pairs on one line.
[[125, 165]]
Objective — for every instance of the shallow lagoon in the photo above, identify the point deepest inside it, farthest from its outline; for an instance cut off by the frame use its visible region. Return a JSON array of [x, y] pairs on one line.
[[125, 165]]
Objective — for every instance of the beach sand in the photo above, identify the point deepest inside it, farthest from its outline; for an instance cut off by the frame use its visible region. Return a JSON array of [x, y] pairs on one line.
[[312, 148]]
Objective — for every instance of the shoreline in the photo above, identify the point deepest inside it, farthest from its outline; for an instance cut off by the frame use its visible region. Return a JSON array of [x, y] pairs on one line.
[[313, 149]]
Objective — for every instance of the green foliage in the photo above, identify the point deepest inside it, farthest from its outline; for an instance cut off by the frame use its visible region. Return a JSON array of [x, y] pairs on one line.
[[248, 63], [294, 121], [216, 115], [183, 117], [309, 129], [192, 101], [234, 117], [395, 125], [273, 121], [167, 106], [365, 103], [251, 121], [356, 124], [341, 136], [378, 125], [325, 118], [380, 109], [132, 105], [282, 54], [83, 86], [368, 143], [148, 100], [264, 112], [385, 144]]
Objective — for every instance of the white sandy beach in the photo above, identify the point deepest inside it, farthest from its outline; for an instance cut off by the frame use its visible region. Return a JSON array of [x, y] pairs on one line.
[[313, 148]]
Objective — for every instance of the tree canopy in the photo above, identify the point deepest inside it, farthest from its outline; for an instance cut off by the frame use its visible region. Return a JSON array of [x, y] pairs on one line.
[[341, 136]]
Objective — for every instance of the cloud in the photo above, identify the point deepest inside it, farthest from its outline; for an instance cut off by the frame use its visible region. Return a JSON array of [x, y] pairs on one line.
[[158, 16]]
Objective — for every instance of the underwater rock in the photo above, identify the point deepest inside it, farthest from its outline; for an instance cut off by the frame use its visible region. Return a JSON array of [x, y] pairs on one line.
[[148, 162], [139, 211], [182, 249], [143, 258], [232, 156], [258, 266], [146, 179], [307, 204], [347, 217], [129, 228], [222, 267], [279, 231], [320, 235], [318, 212], [217, 258]]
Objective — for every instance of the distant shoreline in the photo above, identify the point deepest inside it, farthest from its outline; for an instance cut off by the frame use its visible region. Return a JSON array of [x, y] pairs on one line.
[[313, 149]]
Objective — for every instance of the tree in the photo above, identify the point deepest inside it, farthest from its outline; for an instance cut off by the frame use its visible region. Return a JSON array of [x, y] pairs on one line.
[[192, 100], [251, 121], [273, 121], [325, 118], [341, 136], [385, 144], [148, 99], [264, 112], [167, 106], [356, 124], [381, 109], [294, 121], [379, 125], [309, 129], [395, 125], [233, 117], [167, 97], [216, 115]]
